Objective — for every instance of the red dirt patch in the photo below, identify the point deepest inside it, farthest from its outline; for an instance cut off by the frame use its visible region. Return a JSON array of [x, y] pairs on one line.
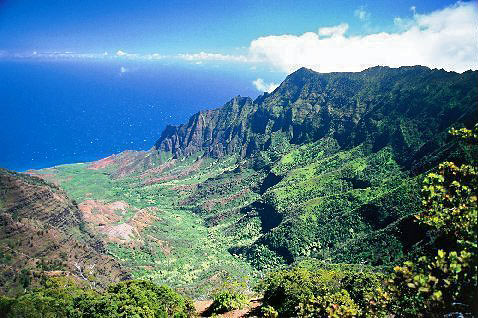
[[183, 173], [105, 217], [100, 213], [102, 163], [143, 219]]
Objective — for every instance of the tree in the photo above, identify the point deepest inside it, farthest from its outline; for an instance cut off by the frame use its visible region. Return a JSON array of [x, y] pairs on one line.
[[448, 281]]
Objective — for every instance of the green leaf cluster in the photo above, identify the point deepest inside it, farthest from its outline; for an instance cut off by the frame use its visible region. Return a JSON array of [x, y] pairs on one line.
[[433, 286], [306, 291], [230, 296], [62, 297]]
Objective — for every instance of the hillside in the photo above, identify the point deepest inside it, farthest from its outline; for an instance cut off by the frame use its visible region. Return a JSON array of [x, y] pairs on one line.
[[327, 166], [43, 233], [343, 155]]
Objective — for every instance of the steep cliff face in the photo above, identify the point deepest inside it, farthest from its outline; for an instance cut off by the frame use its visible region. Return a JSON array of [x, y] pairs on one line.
[[42, 232], [217, 132], [408, 108]]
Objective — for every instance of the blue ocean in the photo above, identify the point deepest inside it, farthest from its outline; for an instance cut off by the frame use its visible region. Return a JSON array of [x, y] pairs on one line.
[[65, 112]]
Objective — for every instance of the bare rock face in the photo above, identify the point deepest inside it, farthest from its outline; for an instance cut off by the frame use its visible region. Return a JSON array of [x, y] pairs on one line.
[[42, 232]]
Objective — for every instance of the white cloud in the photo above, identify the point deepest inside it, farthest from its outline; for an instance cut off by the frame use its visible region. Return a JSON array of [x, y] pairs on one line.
[[120, 54], [445, 38], [263, 86], [338, 30], [123, 54], [154, 56], [204, 56], [123, 69], [362, 14], [60, 55]]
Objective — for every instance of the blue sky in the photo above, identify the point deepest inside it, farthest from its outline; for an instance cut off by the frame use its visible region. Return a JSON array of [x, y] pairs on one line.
[[182, 26]]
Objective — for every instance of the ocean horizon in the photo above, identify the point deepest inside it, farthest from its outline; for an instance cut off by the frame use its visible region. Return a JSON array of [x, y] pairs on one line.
[[60, 112]]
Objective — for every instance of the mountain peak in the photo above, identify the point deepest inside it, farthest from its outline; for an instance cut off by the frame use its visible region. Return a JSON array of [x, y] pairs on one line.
[[303, 71], [298, 78]]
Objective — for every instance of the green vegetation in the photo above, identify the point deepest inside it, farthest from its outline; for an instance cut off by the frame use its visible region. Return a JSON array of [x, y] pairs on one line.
[[449, 279], [177, 247], [65, 298], [230, 296], [428, 287], [313, 291]]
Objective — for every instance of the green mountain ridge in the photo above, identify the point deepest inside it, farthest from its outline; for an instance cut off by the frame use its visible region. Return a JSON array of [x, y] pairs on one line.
[[352, 108]]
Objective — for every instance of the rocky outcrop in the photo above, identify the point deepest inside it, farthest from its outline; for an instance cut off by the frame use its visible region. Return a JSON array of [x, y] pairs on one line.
[[30, 197]]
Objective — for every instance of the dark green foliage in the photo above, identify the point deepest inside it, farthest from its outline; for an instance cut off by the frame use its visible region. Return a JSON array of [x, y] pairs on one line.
[[5, 305], [64, 298], [25, 278], [285, 290], [434, 286], [136, 299], [308, 290], [345, 207], [333, 305], [231, 296], [428, 287], [54, 299]]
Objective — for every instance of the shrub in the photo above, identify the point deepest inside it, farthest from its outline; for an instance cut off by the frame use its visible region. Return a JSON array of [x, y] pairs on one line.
[[137, 298], [231, 296], [5, 305], [62, 297], [362, 286], [309, 290], [284, 290], [333, 305], [269, 312], [432, 287]]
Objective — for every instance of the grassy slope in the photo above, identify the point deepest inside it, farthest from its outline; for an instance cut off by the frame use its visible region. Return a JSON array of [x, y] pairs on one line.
[[332, 202]]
